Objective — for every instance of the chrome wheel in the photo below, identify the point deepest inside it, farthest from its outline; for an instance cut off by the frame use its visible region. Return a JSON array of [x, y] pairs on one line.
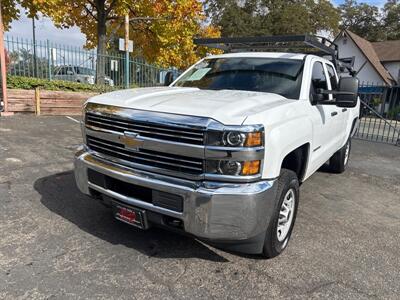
[[347, 153], [286, 215]]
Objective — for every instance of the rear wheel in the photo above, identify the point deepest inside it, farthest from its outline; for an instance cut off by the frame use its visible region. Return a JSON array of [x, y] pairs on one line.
[[282, 222], [340, 159]]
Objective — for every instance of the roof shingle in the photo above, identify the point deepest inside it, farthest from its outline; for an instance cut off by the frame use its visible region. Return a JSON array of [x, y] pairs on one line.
[[387, 51]]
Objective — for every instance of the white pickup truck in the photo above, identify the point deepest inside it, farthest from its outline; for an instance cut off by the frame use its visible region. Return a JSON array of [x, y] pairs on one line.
[[220, 153]]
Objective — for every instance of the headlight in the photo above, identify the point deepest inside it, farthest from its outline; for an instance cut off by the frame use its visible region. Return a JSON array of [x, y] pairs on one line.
[[234, 168], [234, 152], [235, 138], [228, 167]]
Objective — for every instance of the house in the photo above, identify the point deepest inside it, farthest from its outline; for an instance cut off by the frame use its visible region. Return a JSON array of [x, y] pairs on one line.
[[375, 63]]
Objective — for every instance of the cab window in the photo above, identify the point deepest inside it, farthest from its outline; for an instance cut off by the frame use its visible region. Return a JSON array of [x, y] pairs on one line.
[[318, 80], [332, 77], [61, 71]]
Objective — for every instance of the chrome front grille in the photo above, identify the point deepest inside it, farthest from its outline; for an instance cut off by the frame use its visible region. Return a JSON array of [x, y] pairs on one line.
[[145, 129], [162, 160]]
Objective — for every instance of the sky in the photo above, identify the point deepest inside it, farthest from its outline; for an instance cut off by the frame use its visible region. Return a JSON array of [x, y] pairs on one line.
[[45, 29]]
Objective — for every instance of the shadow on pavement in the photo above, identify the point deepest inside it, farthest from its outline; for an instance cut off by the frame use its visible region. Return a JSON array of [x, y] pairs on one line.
[[324, 168], [61, 196]]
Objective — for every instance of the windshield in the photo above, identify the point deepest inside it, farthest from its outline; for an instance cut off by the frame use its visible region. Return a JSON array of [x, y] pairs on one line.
[[273, 75]]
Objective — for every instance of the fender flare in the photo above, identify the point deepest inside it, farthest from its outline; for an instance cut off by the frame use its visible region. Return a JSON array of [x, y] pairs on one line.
[[354, 128], [282, 140]]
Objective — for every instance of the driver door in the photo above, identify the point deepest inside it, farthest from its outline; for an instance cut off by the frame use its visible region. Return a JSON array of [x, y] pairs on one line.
[[325, 118]]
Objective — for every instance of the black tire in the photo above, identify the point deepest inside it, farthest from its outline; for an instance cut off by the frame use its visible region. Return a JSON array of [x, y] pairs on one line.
[[287, 181], [338, 162]]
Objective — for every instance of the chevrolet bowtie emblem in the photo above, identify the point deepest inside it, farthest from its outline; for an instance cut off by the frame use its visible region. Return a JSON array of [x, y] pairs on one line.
[[131, 140]]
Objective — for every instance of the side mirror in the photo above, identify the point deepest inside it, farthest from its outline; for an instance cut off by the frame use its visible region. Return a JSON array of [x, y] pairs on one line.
[[345, 96], [348, 92], [169, 78], [317, 98]]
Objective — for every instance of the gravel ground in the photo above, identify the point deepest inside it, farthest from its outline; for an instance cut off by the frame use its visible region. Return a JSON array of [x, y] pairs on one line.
[[58, 243]]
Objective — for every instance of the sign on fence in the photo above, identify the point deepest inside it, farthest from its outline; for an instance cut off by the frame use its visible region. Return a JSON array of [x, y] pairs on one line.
[[122, 45], [114, 65]]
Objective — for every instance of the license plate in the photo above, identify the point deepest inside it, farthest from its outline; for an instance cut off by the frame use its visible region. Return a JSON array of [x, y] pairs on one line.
[[130, 215]]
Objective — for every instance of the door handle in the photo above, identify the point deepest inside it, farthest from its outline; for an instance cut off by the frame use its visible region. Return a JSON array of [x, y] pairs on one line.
[[344, 109], [334, 113]]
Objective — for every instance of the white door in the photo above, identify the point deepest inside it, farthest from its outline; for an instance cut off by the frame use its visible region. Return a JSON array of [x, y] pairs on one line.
[[325, 119], [343, 113]]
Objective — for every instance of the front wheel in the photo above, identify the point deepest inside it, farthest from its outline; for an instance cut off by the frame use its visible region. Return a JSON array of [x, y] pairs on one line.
[[340, 159], [282, 222]]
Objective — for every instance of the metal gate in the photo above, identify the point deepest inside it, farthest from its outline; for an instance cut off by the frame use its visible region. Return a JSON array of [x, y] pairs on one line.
[[380, 114]]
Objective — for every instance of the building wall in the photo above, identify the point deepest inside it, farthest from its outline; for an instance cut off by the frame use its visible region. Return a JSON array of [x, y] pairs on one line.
[[394, 69], [368, 74]]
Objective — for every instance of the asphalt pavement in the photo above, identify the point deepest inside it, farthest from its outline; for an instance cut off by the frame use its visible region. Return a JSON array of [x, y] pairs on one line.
[[57, 243]]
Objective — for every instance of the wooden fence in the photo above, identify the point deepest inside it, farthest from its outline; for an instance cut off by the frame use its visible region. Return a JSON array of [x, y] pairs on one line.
[[44, 102]]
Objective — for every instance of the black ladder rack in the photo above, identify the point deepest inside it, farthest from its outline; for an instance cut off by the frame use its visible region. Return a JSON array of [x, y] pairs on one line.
[[307, 44]]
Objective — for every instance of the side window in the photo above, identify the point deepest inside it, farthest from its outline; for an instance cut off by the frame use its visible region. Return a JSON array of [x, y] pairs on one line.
[[61, 71], [318, 80], [332, 77]]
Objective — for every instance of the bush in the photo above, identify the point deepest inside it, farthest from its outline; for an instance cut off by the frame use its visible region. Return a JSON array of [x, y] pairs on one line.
[[375, 102], [394, 113], [29, 83]]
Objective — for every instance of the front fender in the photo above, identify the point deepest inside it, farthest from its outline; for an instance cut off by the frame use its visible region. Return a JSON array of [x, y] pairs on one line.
[[282, 139]]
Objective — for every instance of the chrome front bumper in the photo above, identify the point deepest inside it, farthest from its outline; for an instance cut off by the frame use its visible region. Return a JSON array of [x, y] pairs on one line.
[[213, 211]]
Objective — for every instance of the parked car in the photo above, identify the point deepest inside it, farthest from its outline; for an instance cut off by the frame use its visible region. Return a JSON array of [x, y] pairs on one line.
[[220, 153], [79, 74]]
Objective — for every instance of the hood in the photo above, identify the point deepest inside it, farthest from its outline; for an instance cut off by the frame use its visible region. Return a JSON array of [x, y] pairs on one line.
[[229, 107]]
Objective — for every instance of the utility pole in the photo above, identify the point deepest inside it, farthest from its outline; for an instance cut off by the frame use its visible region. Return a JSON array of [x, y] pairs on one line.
[[34, 48], [127, 71], [3, 69]]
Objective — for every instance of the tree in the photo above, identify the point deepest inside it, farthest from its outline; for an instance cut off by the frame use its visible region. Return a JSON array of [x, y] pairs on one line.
[[11, 10], [237, 18], [21, 63], [302, 16], [362, 19], [162, 29], [391, 19], [276, 17], [167, 37]]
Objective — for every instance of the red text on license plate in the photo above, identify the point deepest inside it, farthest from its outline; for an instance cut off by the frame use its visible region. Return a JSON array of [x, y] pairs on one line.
[[127, 215]]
